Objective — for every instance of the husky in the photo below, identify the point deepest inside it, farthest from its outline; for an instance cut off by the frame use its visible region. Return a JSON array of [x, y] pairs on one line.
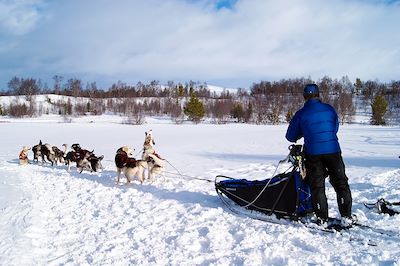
[[95, 163], [80, 157], [129, 166], [43, 150], [23, 155], [156, 164], [59, 154], [148, 145]]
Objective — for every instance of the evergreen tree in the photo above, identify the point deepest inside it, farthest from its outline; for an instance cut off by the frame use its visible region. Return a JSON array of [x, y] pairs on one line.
[[358, 86], [194, 109], [1, 110], [237, 112], [88, 107], [379, 109], [289, 115], [181, 91]]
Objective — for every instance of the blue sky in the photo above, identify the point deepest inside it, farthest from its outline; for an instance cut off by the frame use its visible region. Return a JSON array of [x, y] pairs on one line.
[[230, 43]]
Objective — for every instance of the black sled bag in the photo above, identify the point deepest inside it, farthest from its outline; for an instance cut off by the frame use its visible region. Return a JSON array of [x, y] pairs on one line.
[[286, 194]]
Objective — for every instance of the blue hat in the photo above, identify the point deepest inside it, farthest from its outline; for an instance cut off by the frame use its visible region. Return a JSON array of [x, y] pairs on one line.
[[311, 89]]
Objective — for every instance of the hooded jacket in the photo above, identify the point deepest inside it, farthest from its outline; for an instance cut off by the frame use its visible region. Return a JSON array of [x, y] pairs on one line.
[[318, 123]]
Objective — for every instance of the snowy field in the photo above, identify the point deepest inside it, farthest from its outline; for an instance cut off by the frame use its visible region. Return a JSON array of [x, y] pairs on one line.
[[49, 216]]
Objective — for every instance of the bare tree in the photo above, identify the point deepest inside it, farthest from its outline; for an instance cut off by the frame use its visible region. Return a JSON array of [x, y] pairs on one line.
[[274, 109], [57, 83], [345, 107]]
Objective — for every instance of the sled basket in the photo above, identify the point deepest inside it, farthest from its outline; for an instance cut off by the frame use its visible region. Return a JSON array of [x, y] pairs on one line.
[[285, 195]]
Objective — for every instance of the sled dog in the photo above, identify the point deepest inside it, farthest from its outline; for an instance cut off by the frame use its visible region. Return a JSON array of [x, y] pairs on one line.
[[148, 145], [23, 155], [43, 151], [95, 162], [59, 154], [156, 164], [80, 157], [129, 166]]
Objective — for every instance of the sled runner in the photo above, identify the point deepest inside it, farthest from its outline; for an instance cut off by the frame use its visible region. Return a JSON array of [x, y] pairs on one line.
[[286, 195]]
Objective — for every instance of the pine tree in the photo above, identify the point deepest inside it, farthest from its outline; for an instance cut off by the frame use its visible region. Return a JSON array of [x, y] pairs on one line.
[[237, 112], [289, 115], [194, 109], [181, 91], [379, 109], [358, 86]]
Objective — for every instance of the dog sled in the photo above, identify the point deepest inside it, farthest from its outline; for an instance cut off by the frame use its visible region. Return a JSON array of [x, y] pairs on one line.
[[286, 194]]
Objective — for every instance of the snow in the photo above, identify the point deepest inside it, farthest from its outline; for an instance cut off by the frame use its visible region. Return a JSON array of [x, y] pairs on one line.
[[49, 216]]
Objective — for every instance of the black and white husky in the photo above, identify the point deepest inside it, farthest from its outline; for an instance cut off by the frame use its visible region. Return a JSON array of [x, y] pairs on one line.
[[80, 157], [128, 165], [43, 151]]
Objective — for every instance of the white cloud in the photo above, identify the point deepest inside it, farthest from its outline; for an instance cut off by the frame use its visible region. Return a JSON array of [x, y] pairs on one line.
[[181, 40], [19, 17]]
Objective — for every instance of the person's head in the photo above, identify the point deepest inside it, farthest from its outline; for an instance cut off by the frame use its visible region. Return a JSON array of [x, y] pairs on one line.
[[311, 91]]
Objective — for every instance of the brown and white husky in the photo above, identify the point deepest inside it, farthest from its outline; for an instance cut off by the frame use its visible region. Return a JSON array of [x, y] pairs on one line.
[[128, 165]]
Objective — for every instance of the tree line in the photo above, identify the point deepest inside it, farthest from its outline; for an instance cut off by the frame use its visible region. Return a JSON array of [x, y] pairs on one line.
[[265, 102]]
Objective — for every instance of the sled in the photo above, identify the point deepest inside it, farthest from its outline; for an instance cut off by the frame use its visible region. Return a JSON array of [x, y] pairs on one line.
[[286, 195]]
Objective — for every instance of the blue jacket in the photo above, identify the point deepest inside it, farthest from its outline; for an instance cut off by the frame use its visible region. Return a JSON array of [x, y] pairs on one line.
[[318, 123]]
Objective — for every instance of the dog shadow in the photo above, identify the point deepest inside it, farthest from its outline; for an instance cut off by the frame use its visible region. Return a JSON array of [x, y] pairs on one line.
[[107, 178], [15, 161], [184, 197], [59, 166]]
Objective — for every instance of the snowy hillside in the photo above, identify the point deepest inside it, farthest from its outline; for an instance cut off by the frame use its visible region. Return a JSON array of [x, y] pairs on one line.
[[49, 216]]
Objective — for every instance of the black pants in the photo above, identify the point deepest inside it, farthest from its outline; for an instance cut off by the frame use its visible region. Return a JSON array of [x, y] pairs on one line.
[[318, 167]]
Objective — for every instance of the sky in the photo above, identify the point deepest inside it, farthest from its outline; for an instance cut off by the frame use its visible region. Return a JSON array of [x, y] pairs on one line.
[[230, 43]]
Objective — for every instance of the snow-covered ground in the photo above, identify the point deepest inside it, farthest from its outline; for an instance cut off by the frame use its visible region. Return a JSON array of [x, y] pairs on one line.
[[49, 216]]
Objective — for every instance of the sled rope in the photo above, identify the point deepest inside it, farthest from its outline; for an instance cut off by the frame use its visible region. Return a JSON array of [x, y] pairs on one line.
[[181, 175], [244, 200], [187, 177], [264, 188], [230, 206]]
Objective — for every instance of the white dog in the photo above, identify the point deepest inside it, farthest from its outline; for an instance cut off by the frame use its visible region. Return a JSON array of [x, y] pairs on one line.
[[129, 166], [156, 164], [148, 145]]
